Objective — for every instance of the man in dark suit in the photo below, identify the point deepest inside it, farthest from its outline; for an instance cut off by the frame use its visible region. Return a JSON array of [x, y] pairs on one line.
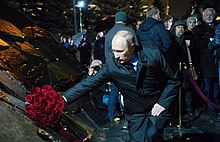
[[145, 79], [120, 24]]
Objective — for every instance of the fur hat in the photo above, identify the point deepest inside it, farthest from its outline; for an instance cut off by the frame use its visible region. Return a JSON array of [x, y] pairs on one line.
[[120, 16]]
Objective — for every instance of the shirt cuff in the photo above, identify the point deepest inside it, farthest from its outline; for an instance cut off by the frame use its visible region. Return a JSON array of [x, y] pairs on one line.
[[65, 100]]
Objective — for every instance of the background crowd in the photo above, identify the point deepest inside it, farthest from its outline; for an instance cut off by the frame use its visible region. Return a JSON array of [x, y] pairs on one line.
[[190, 46], [185, 41]]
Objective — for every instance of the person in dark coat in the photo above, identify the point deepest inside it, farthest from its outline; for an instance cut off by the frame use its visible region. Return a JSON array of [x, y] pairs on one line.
[[204, 33], [85, 48], [120, 24], [153, 32], [145, 79], [182, 41], [99, 47]]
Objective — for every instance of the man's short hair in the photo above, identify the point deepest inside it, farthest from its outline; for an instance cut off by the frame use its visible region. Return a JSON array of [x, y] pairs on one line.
[[128, 36], [168, 17], [152, 10]]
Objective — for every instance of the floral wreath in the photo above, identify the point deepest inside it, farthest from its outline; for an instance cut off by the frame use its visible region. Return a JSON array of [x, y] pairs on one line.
[[44, 106]]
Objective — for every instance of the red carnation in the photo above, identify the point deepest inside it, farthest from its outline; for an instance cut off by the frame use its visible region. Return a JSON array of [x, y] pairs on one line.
[[29, 98]]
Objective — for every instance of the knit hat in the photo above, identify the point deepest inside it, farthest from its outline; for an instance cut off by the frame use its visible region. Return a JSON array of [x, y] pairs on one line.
[[120, 16], [178, 23]]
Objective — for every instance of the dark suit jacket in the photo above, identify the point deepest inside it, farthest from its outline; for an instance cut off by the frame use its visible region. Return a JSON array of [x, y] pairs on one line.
[[202, 34], [155, 81]]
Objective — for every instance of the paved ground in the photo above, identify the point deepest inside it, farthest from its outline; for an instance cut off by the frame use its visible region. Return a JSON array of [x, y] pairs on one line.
[[201, 128]]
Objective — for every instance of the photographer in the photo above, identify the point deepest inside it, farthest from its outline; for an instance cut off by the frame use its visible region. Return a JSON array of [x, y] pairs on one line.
[[94, 67], [110, 98]]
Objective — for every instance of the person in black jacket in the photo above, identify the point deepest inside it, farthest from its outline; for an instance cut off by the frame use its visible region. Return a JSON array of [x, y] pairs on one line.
[[203, 34], [120, 24], [145, 79], [153, 32], [99, 47], [181, 42]]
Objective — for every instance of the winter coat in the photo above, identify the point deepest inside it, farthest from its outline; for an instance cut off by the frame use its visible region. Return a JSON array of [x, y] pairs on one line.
[[154, 78], [152, 33], [202, 34]]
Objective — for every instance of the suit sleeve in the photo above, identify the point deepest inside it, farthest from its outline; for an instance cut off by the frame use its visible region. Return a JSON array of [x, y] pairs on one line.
[[87, 85], [171, 89]]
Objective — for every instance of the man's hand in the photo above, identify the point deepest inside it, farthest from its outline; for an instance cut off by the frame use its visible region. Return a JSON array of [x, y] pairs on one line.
[[91, 71], [157, 109]]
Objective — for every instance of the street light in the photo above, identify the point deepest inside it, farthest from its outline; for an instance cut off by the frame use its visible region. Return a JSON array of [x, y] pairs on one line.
[[75, 18], [80, 4]]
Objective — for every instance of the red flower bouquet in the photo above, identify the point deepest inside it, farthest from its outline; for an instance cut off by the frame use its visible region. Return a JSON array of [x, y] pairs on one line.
[[44, 105]]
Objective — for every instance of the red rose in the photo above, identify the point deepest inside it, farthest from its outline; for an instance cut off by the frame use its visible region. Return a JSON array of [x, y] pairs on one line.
[[29, 98], [42, 117], [59, 112], [30, 108], [44, 93], [32, 115], [36, 91], [51, 116], [52, 100], [52, 93], [39, 110], [47, 87], [59, 97], [37, 100], [47, 104], [60, 106]]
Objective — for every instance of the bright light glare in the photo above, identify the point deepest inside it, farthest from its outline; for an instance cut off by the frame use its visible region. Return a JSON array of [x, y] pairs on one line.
[[81, 4]]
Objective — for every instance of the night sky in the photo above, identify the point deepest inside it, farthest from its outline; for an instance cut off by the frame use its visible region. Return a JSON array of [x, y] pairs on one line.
[[178, 7]]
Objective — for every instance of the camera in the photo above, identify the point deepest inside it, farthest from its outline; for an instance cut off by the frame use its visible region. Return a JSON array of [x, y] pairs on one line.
[[96, 68]]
